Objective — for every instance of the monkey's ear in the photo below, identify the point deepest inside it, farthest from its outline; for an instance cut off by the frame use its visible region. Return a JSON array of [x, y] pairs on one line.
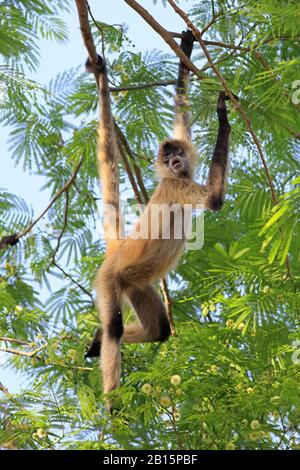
[[95, 68]]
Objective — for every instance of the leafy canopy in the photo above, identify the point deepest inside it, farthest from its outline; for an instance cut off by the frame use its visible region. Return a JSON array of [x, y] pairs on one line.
[[229, 379]]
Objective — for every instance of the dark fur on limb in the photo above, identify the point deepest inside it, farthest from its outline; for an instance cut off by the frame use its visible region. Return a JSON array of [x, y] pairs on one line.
[[9, 240]]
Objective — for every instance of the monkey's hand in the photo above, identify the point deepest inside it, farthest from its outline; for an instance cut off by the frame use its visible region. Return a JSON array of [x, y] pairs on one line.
[[95, 68], [10, 240], [95, 347], [222, 98]]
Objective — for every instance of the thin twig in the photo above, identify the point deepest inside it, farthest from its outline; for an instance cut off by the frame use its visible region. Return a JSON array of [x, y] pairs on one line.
[[86, 31], [53, 261], [240, 47], [129, 172], [73, 280], [53, 200], [249, 48], [142, 86], [211, 22], [14, 340], [33, 354], [63, 228]]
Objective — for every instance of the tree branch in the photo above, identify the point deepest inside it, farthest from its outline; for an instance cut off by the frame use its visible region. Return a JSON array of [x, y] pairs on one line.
[[24, 353], [86, 31], [14, 340], [73, 280], [166, 36], [142, 86], [239, 47], [129, 172], [33, 354], [54, 199]]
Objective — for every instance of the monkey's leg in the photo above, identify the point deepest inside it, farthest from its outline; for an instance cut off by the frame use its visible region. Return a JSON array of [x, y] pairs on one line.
[[151, 312], [112, 331], [154, 324]]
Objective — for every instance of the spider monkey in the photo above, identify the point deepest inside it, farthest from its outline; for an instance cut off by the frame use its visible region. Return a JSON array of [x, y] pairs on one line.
[[131, 266]]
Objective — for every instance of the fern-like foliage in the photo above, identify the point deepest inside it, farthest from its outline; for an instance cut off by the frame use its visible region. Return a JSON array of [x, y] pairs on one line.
[[229, 378]]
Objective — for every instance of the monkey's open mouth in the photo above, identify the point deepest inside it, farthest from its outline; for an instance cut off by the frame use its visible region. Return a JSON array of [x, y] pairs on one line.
[[176, 164]]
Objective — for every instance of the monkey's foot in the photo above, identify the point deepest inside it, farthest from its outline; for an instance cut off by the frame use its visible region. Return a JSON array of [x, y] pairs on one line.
[[95, 347]]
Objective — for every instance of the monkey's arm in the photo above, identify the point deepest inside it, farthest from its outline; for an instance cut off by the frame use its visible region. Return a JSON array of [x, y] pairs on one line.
[[108, 152], [211, 195], [216, 182], [182, 115]]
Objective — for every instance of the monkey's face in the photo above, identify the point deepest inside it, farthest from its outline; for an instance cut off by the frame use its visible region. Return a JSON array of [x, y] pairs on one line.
[[174, 158]]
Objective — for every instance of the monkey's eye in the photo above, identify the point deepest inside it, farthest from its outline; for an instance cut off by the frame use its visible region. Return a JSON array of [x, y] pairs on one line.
[[178, 151], [166, 157]]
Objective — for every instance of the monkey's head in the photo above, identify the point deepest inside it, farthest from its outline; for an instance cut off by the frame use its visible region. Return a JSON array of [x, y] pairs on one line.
[[176, 159]]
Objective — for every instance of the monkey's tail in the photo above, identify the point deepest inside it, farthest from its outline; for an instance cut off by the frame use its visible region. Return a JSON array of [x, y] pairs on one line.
[[182, 115], [112, 329]]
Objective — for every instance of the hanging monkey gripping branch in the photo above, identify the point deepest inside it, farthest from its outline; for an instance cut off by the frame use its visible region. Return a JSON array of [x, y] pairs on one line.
[[133, 265]]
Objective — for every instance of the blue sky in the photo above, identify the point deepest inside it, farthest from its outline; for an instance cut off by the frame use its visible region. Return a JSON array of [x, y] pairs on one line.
[[56, 58]]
